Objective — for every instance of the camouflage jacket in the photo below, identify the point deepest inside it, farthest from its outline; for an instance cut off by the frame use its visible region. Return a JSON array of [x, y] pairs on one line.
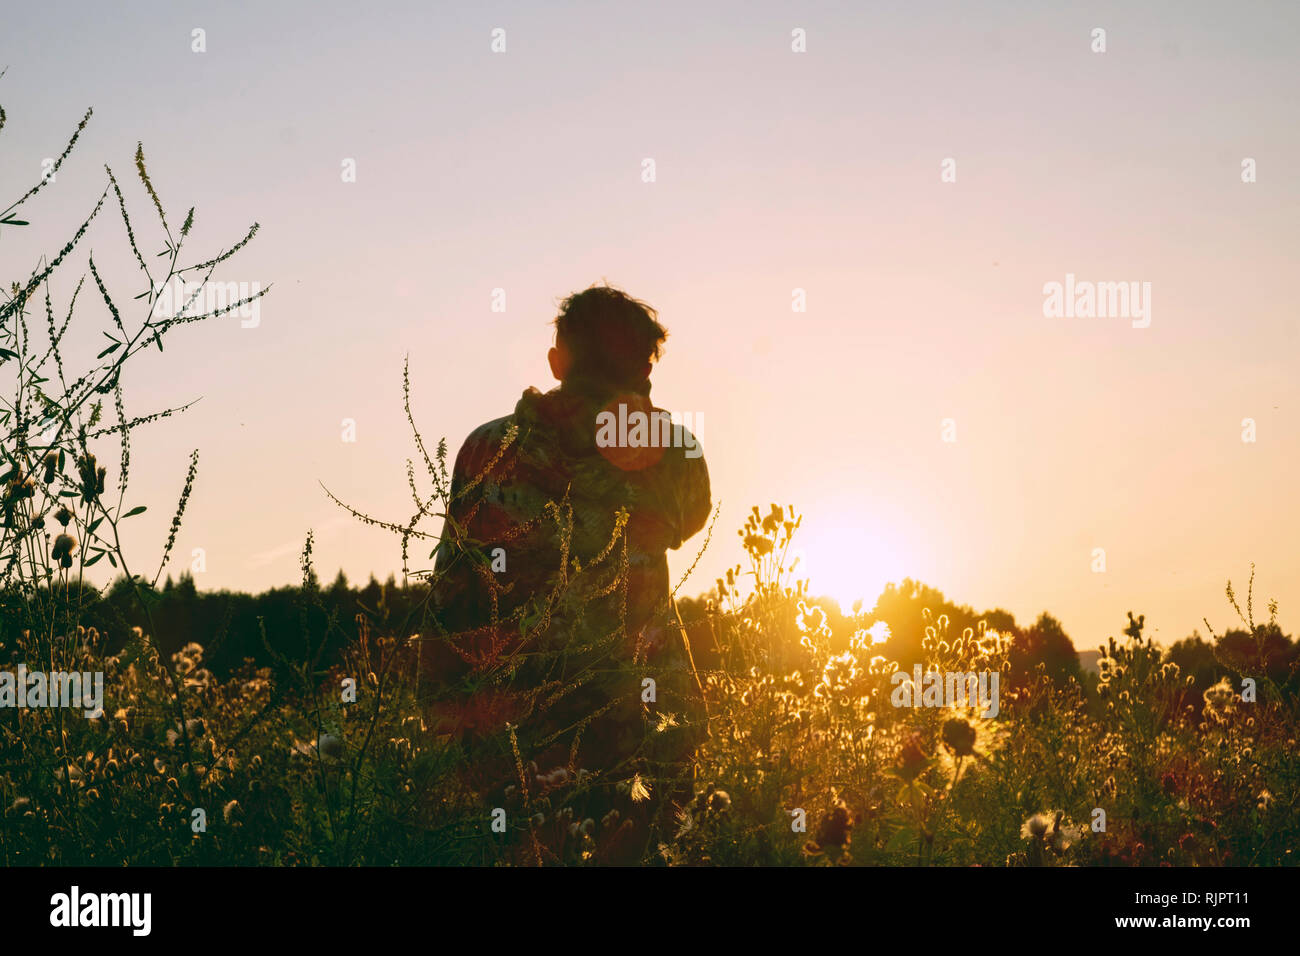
[[552, 577]]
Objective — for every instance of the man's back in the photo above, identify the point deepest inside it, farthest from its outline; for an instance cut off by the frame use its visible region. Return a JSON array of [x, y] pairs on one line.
[[554, 555]]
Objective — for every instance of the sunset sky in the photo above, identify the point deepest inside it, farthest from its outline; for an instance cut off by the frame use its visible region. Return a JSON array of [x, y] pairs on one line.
[[775, 171]]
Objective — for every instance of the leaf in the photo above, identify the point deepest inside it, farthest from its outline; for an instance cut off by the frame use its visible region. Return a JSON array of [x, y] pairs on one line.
[[112, 348], [902, 839], [94, 559], [135, 511]]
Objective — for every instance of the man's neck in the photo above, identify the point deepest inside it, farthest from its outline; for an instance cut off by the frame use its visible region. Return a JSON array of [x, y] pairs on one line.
[[598, 390]]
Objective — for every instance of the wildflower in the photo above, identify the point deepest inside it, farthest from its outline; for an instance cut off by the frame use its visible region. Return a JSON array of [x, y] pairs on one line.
[[811, 620], [556, 778], [836, 826], [1050, 831], [20, 486], [640, 789], [51, 463], [1035, 828], [63, 516], [719, 800], [92, 477], [1220, 701], [193, 651], [959, 735], [912, 758], [232, 811], [64, 545], [837, 675], [1062, 837]]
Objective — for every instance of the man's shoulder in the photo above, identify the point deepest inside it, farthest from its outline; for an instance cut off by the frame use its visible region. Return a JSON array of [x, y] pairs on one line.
[[494, 431], [482, 444]]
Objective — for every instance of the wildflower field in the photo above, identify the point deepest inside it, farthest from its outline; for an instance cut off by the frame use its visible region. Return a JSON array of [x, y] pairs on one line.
[[806, 759], [330, 737]]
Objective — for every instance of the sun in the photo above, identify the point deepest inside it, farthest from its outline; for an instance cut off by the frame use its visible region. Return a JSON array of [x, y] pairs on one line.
[[848, 562]]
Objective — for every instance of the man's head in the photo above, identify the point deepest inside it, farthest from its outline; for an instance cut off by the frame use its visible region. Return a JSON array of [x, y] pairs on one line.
[[605, 335]]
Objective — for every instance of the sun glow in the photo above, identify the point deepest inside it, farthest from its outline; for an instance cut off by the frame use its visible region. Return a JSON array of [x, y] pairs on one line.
[[848, 561]]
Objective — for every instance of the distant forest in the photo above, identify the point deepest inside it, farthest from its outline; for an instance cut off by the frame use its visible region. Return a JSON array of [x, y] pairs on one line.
[[317, 621]]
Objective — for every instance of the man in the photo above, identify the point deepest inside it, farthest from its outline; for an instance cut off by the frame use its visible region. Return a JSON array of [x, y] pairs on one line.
[[551, 578]]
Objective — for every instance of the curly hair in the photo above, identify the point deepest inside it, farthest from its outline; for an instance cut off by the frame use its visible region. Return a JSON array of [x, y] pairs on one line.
[[612, 337]]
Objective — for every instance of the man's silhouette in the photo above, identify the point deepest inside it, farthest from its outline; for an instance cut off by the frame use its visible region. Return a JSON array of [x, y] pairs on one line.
[[552, 584]]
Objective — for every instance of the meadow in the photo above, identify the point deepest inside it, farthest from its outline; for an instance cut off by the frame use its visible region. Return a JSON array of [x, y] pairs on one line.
[[331, 741], [806, 759]]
